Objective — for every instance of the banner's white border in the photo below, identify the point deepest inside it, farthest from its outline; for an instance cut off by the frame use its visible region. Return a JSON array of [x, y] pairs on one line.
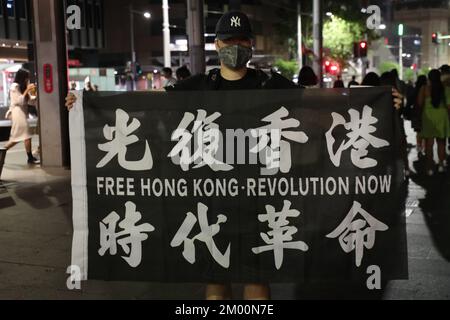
[[79, 187]]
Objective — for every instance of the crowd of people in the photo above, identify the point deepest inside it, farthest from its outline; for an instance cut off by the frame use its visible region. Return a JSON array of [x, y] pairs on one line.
[[426, 104], [428, 109], [181, 73]]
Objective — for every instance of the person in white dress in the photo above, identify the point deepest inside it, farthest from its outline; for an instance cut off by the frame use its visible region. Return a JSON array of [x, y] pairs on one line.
[[22, 94]]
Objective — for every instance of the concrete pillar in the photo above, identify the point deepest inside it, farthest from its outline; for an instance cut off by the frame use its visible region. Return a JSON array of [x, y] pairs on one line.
[[318, 40], [51, 55], [196, 37]]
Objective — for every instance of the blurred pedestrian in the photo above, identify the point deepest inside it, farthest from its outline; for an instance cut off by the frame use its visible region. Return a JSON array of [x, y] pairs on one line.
[[339, 83], [20, 97], [445, 77], [371, 79], [407, 111], [73, 85], [167, 78], [435, 119], [389, 79], [399, 84], [87, 85], [307, 78], [353, 82], [182, 73], [416, 113]]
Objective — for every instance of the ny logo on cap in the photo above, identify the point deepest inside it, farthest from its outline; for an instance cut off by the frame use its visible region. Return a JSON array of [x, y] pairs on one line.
[[235, 22]]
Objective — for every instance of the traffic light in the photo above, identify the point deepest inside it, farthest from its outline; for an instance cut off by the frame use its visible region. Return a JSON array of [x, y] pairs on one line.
[[335, 69], [400, 29], [327, 66], [139, 71], [331, 67], [434, 37], [363, 49], [360, 49]]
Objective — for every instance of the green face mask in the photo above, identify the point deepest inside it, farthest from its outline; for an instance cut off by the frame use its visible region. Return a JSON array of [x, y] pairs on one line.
[[235, 56]]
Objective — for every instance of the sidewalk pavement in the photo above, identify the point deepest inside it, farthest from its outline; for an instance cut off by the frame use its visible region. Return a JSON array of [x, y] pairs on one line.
[[36, 235]]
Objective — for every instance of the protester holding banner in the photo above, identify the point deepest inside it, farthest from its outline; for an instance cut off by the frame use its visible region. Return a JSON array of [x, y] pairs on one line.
[[234, 47]]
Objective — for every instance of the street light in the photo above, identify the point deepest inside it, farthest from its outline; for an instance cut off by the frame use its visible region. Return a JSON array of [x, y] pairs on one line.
[[147, 16], [400, 53], [400, 29], [166, 34]]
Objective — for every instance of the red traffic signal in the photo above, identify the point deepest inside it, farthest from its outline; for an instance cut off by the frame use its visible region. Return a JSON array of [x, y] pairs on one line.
[[360, 49], [331, 67], [363, 48], [434, 37], [327, 65]]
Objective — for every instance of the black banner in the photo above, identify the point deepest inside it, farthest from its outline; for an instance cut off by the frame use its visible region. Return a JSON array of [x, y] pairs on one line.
[[248, 186]]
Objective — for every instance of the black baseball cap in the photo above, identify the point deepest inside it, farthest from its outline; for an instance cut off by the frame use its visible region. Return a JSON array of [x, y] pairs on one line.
[[233, 24]]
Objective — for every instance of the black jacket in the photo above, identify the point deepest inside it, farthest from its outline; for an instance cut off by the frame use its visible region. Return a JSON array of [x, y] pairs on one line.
[[211, 81]]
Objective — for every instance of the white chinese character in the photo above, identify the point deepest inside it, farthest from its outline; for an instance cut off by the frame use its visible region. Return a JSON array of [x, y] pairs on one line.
[[277, 155], [206, 139], [235, 21], [359, 233], [119, 139], [206, 235], [278, 239], [130, 238], [359, 138]]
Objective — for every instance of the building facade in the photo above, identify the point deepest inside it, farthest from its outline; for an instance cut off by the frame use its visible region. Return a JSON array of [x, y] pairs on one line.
[[15, 29], [430, 16], [104, 39], [149, 36]]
